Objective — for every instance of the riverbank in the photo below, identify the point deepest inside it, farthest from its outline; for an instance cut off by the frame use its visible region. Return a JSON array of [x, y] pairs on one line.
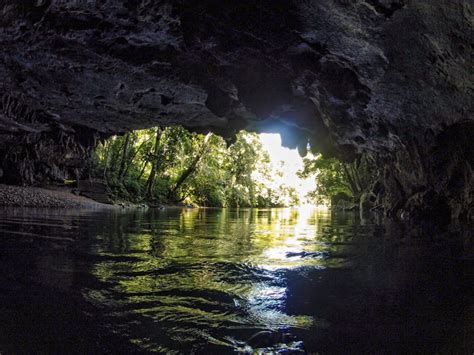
[[20, 196]]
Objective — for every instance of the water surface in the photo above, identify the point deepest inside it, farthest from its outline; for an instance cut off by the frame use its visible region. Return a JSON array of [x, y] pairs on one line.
[[231, 280]]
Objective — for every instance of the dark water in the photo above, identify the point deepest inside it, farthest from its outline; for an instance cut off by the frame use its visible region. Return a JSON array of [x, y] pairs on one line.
[[223, 281]]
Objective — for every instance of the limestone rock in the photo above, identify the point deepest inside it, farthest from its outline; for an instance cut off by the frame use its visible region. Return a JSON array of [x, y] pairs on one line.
[[389, 78]]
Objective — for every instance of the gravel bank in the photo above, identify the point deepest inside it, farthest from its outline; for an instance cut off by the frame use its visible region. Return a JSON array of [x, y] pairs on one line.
[[19, 196]]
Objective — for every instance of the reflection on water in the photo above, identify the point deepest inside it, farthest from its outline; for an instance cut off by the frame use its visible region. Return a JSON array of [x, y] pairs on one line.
[[223, 281]]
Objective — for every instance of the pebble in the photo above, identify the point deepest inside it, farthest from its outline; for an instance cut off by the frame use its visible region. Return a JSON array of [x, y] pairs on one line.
[[19, 196]]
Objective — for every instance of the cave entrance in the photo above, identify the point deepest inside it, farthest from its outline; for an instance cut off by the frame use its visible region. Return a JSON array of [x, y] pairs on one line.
[[171, 165]]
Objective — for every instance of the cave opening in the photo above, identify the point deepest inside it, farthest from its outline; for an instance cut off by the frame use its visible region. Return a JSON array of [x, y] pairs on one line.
[[169, 165], [140, 214]]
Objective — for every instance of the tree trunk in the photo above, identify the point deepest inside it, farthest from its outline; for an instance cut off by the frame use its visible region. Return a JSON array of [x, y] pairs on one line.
[[123, 162], [155, 162], [106, 158], [187, 173], [132, 158], [114, 155], [142, 171]]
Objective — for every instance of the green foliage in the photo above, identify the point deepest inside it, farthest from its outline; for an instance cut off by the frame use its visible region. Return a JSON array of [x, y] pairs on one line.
[[330, 177], [174, 165], [335, 178]]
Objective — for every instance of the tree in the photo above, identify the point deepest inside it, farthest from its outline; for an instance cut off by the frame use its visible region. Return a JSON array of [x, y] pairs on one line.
[[192, 167], [155, 159], [123, 162], [172, 164], [334, 177]]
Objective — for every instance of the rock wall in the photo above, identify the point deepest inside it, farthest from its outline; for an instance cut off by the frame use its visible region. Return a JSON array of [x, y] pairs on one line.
[[389, 78], [35, 146]]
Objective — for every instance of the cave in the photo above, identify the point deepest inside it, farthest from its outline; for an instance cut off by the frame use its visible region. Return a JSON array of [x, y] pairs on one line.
[[390, 79], [387, 79]]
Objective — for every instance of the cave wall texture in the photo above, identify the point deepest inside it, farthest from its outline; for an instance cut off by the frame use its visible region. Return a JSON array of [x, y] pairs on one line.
[[388, 78]]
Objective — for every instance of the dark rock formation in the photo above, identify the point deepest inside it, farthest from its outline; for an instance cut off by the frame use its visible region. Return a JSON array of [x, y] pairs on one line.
[[36, 145], [94, 189], [390, 78]]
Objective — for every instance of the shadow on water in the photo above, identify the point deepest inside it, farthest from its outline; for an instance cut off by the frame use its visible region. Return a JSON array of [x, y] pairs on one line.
[[224, 280]]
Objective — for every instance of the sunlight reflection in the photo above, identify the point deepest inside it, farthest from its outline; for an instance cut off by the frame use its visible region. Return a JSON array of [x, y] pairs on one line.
[[290, 230], [266, 304], [212, 268]]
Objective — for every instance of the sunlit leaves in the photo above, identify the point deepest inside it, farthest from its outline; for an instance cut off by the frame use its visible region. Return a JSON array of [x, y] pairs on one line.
[[238, 175], [330, 177]]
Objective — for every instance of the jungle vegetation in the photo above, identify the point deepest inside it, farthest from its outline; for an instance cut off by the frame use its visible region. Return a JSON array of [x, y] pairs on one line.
[[172, 165], [337, 181]]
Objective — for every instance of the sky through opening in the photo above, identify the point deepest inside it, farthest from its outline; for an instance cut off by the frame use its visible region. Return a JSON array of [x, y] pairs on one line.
[[287, 161]]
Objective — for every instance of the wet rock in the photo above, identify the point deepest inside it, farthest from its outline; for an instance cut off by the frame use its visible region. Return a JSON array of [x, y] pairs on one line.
[[95, 189], [305, 254], [266, 338]]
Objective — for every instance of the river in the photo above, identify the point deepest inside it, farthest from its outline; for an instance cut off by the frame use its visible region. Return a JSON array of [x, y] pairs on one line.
[[231, 280]]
